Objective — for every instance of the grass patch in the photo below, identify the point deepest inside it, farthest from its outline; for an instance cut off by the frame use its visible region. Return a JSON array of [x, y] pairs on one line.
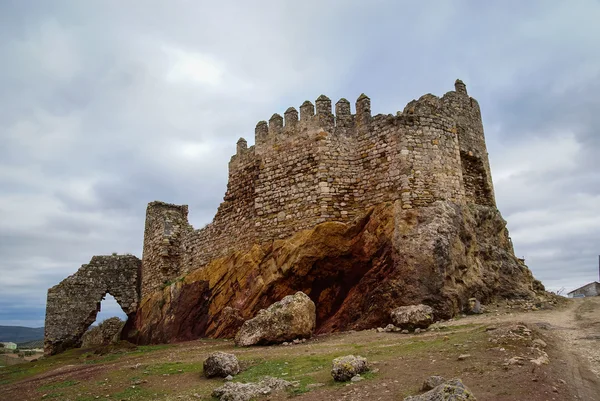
[[52, 386], [53, 395], [174, 368], [136, 393], [143, 349]]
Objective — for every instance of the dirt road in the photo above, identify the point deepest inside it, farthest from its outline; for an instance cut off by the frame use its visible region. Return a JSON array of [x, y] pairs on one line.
[[575, 331]]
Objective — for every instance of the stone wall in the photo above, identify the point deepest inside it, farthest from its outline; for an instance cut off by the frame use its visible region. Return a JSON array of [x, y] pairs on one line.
[[73, 304], [316, 166]]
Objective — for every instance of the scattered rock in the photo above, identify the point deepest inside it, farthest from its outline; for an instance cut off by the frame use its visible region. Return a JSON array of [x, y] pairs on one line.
[[405, 331], [292, 317], [474, 307], [221, 364], [432, 382], [417, 330], [515, 360], [346, 367], [452, 390], [106, 333], [539, 343], [229, 378], [412, 316], [541, 360], [356, 378], [231, 391], [463, 357]]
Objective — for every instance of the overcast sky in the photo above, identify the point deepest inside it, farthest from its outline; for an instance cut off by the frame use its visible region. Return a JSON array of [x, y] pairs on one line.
[[108, 105]]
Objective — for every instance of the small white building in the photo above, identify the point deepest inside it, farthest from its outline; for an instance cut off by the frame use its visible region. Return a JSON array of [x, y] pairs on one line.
[[9, 345], [588, 290]]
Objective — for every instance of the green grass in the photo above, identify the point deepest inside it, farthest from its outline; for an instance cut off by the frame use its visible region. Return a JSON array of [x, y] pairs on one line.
[[136, 393], [53, 386], [53, 395], [174, 368]]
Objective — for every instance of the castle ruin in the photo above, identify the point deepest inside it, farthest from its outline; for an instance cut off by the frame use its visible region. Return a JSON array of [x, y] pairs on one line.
[[304, 169]]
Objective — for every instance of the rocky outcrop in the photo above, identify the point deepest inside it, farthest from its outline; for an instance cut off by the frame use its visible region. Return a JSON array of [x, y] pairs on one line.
[[221, 364], [346, 367], [452, 390], [356, 273], [412, 317], [292, 317], [107, 332]]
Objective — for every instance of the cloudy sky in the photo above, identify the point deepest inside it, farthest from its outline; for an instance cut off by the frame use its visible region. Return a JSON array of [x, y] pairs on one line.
[[108, 105]]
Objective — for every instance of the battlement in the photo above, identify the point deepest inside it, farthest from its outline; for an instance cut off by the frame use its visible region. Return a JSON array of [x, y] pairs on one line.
[[321, 164]]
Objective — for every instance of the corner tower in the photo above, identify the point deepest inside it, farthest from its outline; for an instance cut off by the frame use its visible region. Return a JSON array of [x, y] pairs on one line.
[[477, 178], [162, 254]]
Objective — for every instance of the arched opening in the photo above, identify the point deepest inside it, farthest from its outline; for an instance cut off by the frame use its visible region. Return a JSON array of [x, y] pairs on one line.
[[109, 307], [109, 323]]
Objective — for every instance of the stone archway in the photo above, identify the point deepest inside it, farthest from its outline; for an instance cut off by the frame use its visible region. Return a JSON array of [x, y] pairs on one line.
[[73, 304]]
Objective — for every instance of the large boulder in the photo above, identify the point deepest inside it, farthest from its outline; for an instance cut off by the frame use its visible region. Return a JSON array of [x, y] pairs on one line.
[[106, 333], [413, 316], [248, 391], [292, 317], [452, 390], [346, 367], [221, 364]]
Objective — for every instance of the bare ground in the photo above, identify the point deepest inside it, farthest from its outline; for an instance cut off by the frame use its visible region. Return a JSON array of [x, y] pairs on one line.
[[399, 363]]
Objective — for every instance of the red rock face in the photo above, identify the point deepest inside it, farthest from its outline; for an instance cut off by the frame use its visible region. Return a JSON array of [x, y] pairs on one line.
[[355, 273]]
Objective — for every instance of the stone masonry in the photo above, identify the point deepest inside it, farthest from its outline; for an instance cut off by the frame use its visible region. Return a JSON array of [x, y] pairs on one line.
[[315, 166], [73, 304]]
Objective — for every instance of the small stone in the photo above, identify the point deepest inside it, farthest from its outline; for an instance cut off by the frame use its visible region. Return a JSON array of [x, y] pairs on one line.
[[417, 330], [356, 378], [229, 378], [539, 343], [463, 357]]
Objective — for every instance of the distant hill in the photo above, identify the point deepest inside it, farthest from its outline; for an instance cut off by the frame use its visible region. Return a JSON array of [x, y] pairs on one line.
[[19, 334], [31, 344]]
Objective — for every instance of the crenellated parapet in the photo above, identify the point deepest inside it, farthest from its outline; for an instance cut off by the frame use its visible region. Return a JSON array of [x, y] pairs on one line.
[[324, 163]]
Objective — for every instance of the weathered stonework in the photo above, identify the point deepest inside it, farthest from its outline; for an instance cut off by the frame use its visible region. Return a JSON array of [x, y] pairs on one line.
[[73, 304], [325, 167]]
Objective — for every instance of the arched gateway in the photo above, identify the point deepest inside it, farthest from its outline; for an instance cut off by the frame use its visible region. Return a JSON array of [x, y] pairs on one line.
[[74, 303]]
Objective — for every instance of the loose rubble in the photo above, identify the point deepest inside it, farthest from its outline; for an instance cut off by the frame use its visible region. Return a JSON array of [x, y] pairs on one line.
[[231, 391]]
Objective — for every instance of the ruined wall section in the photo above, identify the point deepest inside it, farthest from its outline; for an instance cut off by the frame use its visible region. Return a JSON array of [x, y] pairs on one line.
[[73, 304]]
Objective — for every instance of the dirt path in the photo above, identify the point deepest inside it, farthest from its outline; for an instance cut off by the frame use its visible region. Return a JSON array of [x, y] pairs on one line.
[[575, 330]]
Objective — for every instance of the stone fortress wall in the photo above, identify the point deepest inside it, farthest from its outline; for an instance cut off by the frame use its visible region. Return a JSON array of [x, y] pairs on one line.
[[314, 166]]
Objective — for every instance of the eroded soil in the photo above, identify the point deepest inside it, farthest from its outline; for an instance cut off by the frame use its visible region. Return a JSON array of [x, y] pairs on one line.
[[400, 363]]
